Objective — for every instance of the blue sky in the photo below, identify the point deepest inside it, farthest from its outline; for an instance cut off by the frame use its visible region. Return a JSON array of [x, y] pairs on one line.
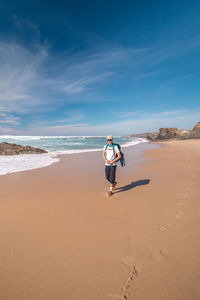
[[98, 67]]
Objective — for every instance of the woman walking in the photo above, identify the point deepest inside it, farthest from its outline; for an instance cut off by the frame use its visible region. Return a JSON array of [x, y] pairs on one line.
[[111, 155]]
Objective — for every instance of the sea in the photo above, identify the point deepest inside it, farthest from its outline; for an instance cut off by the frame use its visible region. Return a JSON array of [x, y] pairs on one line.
[[55, 145]]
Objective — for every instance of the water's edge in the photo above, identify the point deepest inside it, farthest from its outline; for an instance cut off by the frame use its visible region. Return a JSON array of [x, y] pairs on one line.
[[24, 162]]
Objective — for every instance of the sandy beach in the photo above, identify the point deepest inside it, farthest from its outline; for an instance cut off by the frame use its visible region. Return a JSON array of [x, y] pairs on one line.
[[62, 238]]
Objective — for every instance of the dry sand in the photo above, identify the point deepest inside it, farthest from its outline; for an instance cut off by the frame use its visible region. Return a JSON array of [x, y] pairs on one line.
[[62, 238]]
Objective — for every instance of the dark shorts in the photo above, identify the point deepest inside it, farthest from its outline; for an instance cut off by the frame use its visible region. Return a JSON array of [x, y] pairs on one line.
[[110, 173]]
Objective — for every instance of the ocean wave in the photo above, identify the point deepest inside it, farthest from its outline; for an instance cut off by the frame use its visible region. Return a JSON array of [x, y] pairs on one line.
[[40, 137], [74, 151], [135, 142], [16, 163]]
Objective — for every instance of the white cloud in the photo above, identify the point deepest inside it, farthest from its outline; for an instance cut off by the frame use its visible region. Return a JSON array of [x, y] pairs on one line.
[[151, 115], [32, 79], [7, 130], [10, 120], [36, 78], [80, 72], [80, 85], [22, 24], [151, 73], [19, 77], [72, 116], [147, 123]]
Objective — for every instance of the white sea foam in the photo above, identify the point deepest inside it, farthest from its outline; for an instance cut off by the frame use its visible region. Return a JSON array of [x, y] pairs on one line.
[[135, 142], [23, 162], [74, 151], [39, 137], [16, 163]]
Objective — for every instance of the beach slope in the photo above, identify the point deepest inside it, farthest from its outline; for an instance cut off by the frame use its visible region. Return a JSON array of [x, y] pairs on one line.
[[62, 238]]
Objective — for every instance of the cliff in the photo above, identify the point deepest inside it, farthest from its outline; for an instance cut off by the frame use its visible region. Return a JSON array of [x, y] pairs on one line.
[[195, 132]]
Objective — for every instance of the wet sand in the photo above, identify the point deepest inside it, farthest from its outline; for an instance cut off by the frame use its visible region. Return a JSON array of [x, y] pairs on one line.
[[62, 238]]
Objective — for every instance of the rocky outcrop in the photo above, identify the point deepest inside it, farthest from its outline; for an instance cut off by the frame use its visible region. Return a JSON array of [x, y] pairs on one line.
[[168, 133], [165, 134], [184, 134], [14, 149], [195, 132]]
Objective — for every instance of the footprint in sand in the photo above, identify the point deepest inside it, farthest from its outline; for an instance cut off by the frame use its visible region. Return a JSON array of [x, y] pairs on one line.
[[179, 215], [180, 202], [125, 289], [190, 183], [164, 227], [187, 189], [186, 195], [158, 256], [130, 261]]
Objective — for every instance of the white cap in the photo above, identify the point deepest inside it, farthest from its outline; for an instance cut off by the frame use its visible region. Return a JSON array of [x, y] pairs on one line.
[[110, 137]]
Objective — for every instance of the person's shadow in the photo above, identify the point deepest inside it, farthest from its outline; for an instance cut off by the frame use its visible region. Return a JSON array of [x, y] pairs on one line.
[[132, 185]]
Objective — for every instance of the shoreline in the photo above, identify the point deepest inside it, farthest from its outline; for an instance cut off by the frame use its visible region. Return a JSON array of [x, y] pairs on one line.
[[28, 162], [63, 238]]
